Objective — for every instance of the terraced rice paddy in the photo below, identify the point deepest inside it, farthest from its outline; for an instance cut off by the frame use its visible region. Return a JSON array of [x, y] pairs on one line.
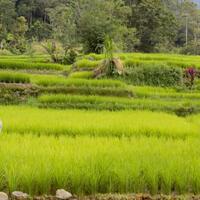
[[64, 129]]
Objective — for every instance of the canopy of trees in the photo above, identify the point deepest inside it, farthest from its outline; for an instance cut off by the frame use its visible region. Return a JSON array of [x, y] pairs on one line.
[[134, 25]]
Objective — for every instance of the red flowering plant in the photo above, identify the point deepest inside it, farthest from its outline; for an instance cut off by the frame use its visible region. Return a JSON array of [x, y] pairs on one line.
[[190, 74]]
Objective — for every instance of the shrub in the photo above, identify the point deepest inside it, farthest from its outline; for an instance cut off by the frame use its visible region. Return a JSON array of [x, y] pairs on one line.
[[8, 77], [190, 75], [154, 74], [5, 52]]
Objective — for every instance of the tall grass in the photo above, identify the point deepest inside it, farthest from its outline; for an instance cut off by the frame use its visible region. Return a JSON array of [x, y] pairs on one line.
[[85, 165], [76, 122]]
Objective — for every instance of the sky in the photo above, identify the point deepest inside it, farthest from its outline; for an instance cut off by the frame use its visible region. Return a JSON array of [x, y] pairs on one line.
[[197, 1]]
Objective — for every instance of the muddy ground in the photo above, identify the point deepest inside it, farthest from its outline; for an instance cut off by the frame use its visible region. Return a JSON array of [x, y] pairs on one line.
[[140, 197]]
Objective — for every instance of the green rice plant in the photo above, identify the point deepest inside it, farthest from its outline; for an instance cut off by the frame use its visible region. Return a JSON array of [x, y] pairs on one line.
[[81, 74], [90, 165], [24, 120], [184, 107], [7, 77], [86, 64], [15, 65], [24, 58], [136, 59], [60, 81], [93, 56], [159, 92], [85, 90]]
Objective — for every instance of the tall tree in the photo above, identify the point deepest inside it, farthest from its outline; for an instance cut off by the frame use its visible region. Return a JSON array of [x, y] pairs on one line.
[[7, 17], [99, 18], [154, 22]]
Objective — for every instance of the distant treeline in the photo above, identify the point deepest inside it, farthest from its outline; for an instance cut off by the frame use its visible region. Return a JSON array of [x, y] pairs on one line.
[[134, 25]]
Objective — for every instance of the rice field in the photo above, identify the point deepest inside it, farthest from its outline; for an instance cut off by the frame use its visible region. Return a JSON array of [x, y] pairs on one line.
[[24, 119], [86, 165], [64, 129]]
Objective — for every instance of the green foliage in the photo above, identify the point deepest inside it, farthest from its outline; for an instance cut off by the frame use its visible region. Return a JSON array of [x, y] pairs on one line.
[[191, 49], [154, 74], [98, 19], [153, 22], [145, 25], [70, 56], [62, 21], [109, 48], [52, 48], [39, 30], [7, 18], [17, 41], [5, 52]]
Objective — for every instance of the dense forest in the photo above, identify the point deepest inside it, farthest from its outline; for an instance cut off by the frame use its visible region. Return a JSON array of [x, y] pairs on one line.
[[134, 25]]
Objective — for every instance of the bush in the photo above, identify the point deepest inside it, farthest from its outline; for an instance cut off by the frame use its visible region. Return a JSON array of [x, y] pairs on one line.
[[8, 77], [5, 52], [154, 74]]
